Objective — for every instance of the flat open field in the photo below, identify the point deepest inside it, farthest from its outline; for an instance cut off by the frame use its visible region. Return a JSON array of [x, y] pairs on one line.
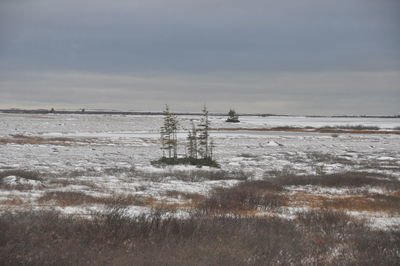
[[101, 157], [83, 184]]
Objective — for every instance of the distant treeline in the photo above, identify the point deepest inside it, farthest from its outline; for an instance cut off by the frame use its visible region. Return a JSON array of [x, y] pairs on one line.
[[107, 112]]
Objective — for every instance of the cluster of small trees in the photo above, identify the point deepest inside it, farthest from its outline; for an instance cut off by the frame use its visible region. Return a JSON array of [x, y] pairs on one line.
[[199, 144], [198, 147], [233, 117]]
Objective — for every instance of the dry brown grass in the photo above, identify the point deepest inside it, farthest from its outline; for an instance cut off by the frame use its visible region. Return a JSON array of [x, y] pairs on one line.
[[367, 202], [14, 200], [71, 181], [73, 198], [340, 180], [31, 175], [34, 141], [62, 182], [302, 199], [25, 174], [197, 175], [191, 201], [330, 131], [251, 197], [248, 196], [194, 197], [114, 238], [396, 194], [164, 206], [373, 203], [358, 200], [60, 141]]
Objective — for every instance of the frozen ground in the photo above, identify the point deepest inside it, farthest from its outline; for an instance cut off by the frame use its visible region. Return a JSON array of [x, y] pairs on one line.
[[299, 121], [59, 143], [103, 155]]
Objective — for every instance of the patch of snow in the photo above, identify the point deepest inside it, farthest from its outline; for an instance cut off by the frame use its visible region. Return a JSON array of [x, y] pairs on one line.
[[290, 213], [378, 220], [386, 223], [385, 158], [273, 144], [102, 142], [13, 180]]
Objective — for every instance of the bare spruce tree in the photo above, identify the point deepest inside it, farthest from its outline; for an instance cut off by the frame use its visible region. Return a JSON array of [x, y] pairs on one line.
[[212, 145], [192, 142], [203, 137], [168, 132]]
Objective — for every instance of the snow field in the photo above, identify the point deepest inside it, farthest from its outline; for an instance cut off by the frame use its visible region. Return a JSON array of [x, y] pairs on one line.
[[107, 155]]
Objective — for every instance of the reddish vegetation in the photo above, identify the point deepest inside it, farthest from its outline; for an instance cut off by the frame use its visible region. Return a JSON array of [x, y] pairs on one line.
[[329, 131]]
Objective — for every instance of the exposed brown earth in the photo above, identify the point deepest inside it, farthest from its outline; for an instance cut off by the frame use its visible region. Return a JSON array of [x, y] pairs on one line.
[[38, 140], [61, 141]]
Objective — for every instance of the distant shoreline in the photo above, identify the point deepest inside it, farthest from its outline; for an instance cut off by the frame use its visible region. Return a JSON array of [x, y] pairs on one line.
[[105, 112]]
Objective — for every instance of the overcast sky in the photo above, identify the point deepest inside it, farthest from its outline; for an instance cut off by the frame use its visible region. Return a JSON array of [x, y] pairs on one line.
[[286, 57]]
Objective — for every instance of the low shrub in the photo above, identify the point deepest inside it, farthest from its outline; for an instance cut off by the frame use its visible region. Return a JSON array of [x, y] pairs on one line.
[[250, 195], [327, 221], [347, 179], [25, 183], [350, 127], [197, 175], [196, 197], [186, 161], [114, 238], [285, 128], [366, 202], [75, 198], [328, 158], [30, 175]]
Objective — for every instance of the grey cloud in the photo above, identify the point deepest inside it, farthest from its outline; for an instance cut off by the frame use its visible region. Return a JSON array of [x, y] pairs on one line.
[[287, 56], [201, 35]]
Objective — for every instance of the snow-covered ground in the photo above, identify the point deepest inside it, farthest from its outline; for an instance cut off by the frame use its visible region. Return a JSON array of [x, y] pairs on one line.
[[102, 150], [316, 122], [100, 141]]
